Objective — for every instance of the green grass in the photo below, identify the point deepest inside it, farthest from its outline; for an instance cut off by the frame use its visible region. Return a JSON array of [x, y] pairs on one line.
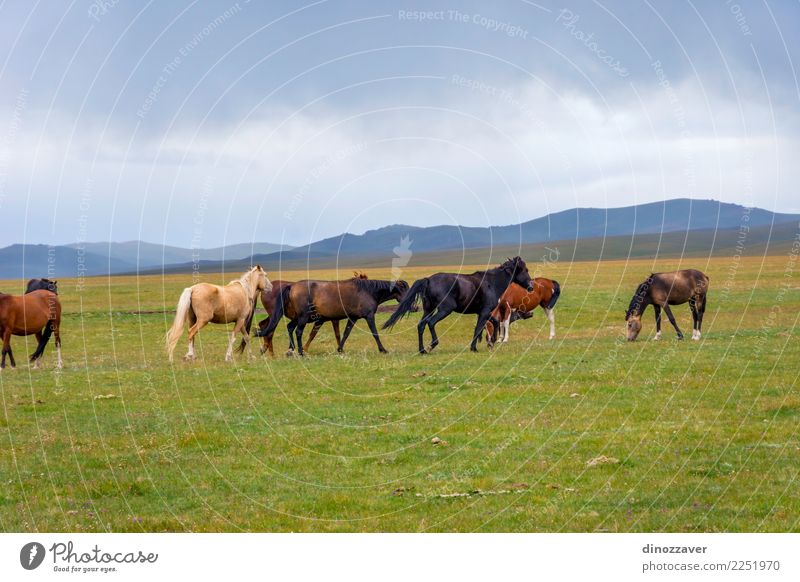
[[704, 435]]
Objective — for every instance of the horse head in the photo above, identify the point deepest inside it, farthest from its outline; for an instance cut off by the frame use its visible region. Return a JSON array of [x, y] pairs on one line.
[[259, 280], [399, 289], [518, 270]]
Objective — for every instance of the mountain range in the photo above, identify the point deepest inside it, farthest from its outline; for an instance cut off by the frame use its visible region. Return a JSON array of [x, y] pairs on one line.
[[669, 228]]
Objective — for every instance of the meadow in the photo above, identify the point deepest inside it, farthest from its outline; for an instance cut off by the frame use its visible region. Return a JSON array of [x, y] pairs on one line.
[[587, 432]]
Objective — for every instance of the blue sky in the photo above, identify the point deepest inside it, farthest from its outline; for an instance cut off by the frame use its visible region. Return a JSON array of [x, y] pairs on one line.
[[210, 123]]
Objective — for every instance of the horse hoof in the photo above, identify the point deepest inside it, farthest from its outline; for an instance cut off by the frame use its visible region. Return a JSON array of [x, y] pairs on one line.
[[289, 353], [188, 358]]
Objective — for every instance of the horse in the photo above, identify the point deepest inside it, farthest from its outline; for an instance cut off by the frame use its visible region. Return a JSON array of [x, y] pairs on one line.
[[320, 301], [205, 303], [444, 293], [36, 313], [664, 289], [268, 300], [517, 303], [45, 284]]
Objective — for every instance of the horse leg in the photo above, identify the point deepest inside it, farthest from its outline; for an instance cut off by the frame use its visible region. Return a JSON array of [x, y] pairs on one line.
[[290, 328], [671, 317], [347, 329], [657, 311], [238, 327], [701, 309], [482, 319], [505, 327], [440, 315], [423, 322], [374, 330], [335, 324], [551, 316], [194, 329], [6, 348], [38, 359], [313, 334], [299, 333], [693, 309]]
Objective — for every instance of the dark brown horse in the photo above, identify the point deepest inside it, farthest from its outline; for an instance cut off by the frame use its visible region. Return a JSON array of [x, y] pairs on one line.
[[46, 284], [444, 293], [270, 298], [664, 289], [36, 313], [320, 301], [519, 303]]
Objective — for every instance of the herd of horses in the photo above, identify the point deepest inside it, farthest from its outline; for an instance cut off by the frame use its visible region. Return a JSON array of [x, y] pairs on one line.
[[497, 297]]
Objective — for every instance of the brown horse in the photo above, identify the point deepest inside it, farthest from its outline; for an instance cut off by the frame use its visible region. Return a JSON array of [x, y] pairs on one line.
[[518, 303], [268, 300], [206, 303], [320, 301], [36, 313], [664, 289]]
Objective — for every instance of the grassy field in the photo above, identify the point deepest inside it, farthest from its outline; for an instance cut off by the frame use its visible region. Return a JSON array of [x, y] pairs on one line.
[[583, 433]]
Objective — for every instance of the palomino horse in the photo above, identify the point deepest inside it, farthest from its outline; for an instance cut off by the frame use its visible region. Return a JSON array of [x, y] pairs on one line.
[[518, 302], [36, 313], [445, 293], [665, 289], [321, 301], [270, 298], [206, 303]]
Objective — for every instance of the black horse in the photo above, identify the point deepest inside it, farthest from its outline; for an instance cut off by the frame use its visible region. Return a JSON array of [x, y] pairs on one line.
[[46, 284], [319, 301], [444, 293]]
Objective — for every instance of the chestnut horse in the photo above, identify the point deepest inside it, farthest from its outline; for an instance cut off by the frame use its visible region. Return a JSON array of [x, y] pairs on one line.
[[206, 303], [36, 313], [517, 303], [268, 300], [664, 289]]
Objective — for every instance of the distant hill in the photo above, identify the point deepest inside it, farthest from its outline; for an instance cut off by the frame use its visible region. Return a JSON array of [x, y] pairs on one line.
[[589, 232], [101, 258], [669, 228]]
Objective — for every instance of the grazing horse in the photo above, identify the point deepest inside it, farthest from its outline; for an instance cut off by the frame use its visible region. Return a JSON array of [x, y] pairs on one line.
[[321, 301], [518, 302], [268, 300], [45, 284], [444, 293], [36, 313], [206, 303], [664, 289]]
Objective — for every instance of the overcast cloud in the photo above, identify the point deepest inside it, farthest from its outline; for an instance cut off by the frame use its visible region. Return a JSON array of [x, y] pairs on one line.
[[222, 122]]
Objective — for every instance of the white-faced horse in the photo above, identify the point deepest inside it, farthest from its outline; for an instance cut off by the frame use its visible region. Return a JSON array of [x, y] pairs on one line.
[[206, 303]]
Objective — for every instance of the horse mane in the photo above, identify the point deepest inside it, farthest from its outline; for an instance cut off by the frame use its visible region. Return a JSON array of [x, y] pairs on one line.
[[373, 285], [637, 301]]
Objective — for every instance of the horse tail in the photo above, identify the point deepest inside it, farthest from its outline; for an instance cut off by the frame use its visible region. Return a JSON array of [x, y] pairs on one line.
[[556, 294], [408, 302], [181, 315], [277, 313], [48, 331]]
